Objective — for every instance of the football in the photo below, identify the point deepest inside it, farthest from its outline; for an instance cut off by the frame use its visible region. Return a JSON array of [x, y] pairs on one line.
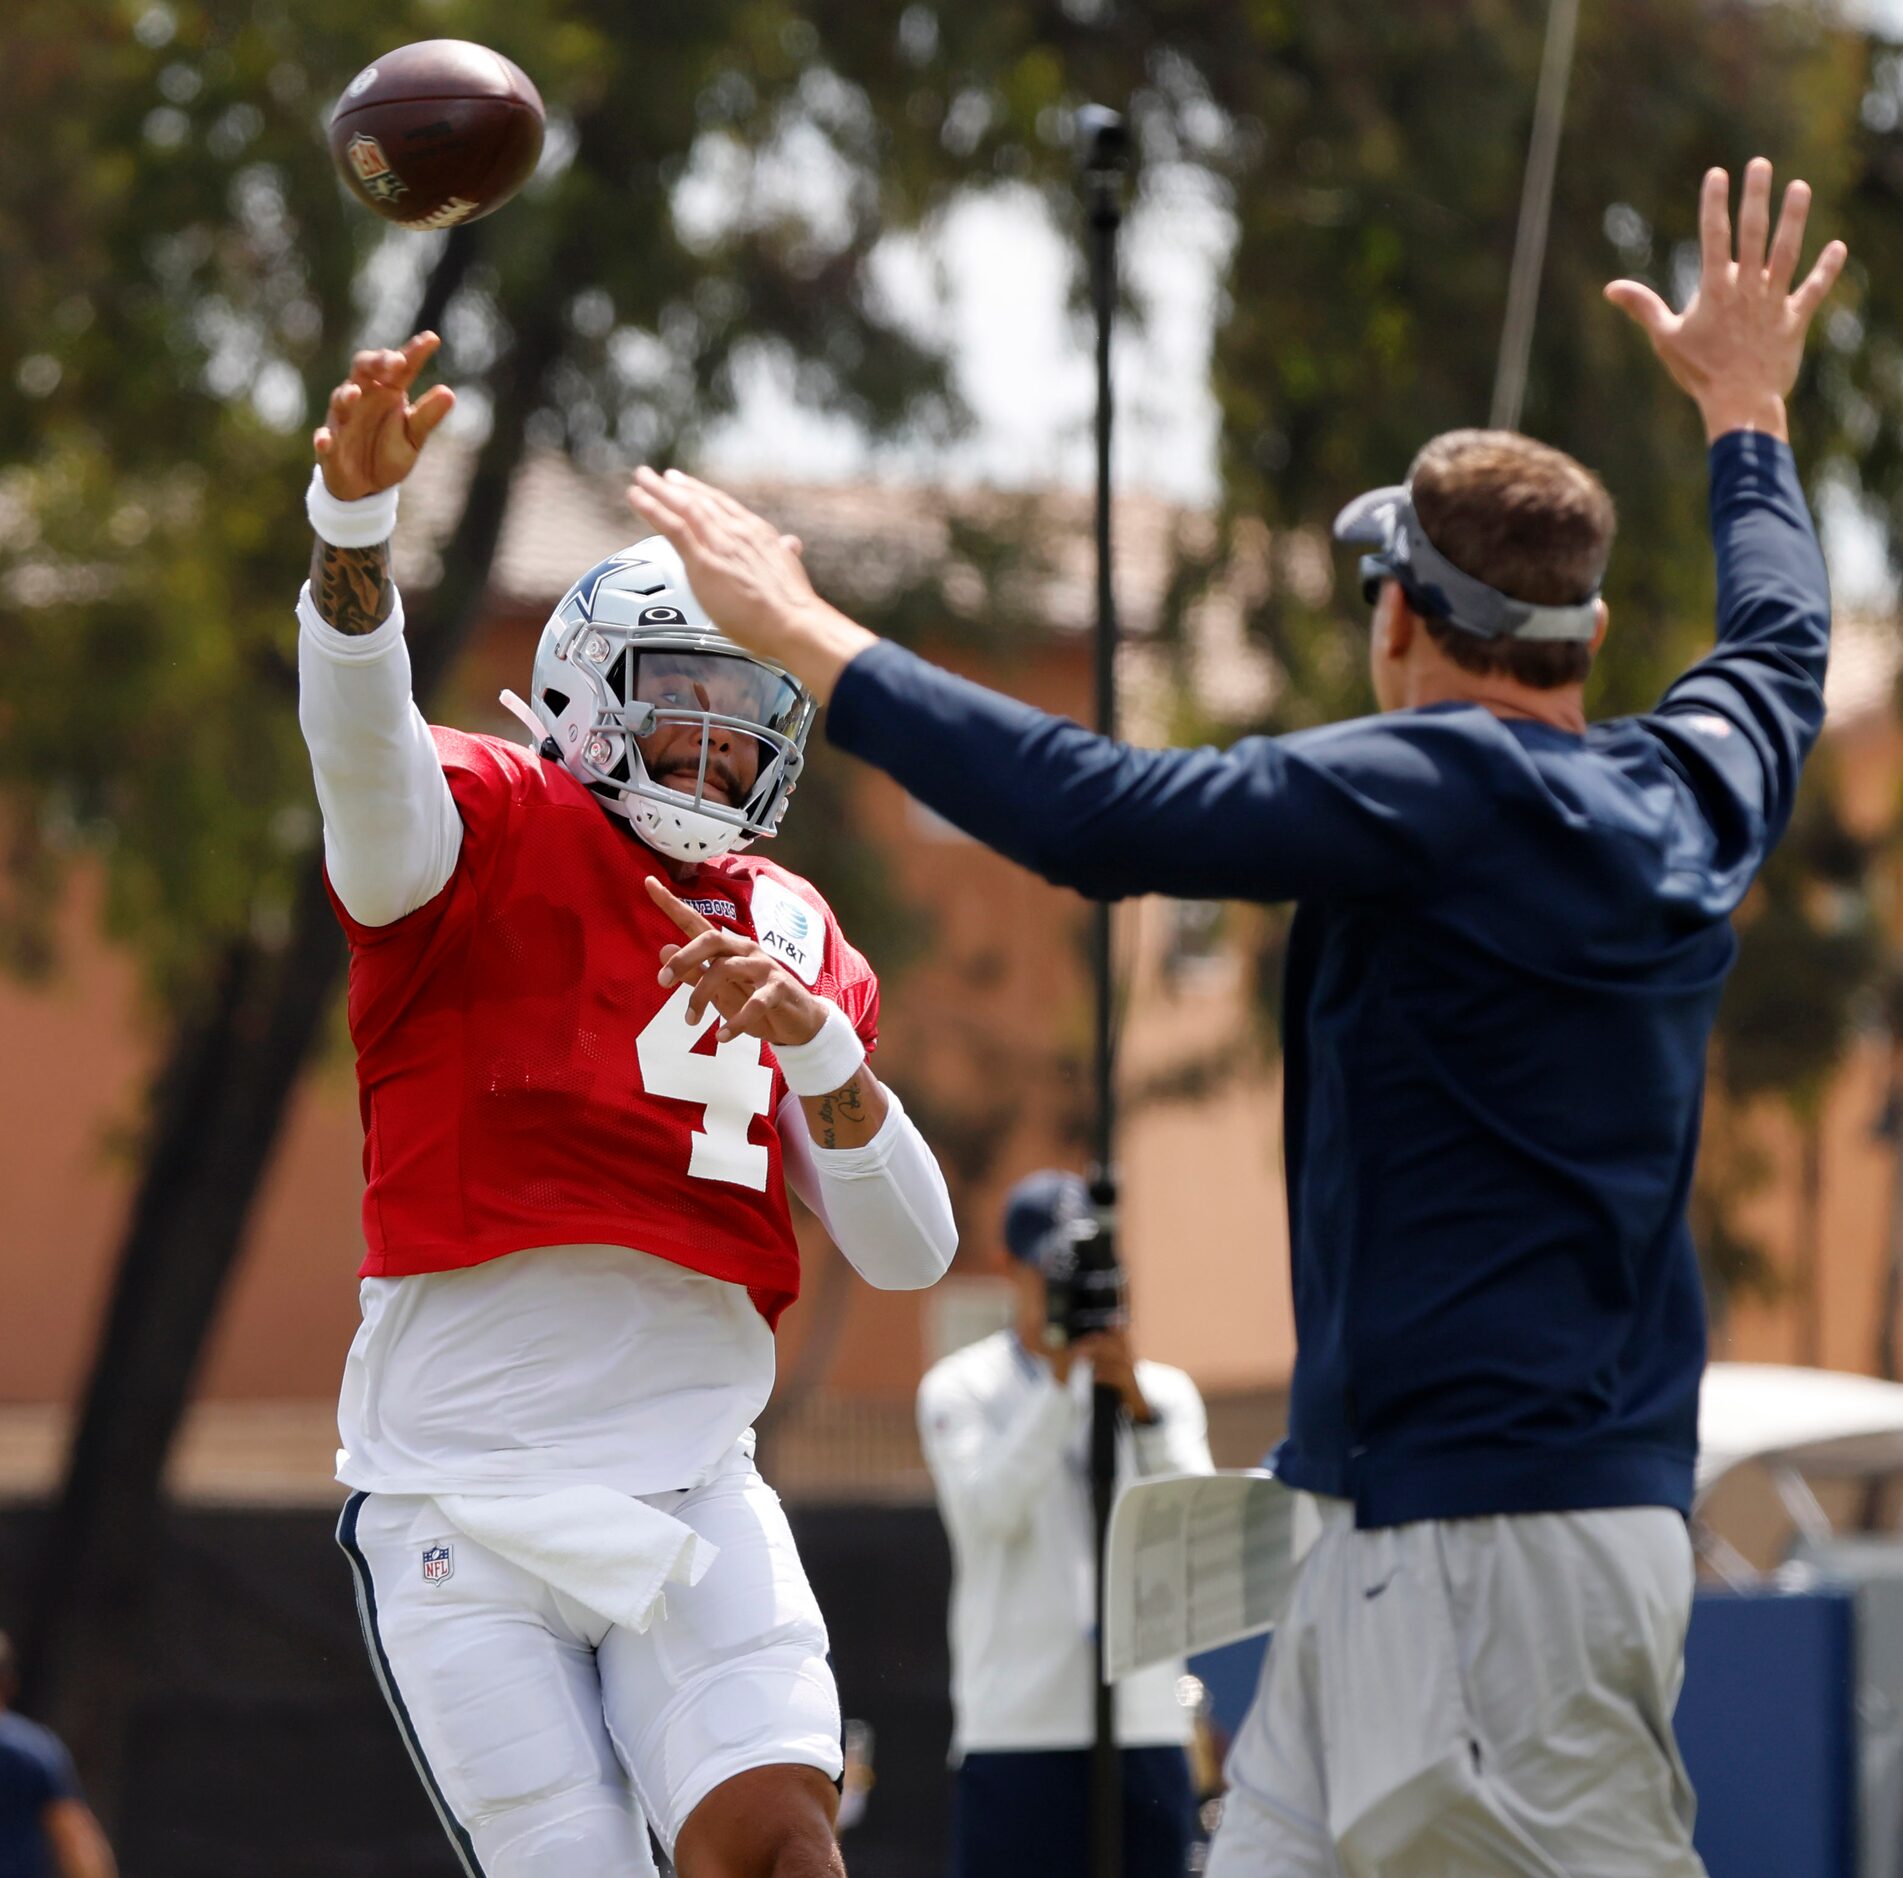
[[437, 133]]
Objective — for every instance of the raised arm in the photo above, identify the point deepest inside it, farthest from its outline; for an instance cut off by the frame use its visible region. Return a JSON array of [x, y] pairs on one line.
[[1270, 819], [391, 831], [1743, 719]]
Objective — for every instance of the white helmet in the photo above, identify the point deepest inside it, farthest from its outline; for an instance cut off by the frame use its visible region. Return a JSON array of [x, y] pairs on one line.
[[630, 651]]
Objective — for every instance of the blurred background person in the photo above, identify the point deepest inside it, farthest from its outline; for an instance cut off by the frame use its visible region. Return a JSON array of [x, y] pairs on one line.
[[1005, 1424], [46, 1829]]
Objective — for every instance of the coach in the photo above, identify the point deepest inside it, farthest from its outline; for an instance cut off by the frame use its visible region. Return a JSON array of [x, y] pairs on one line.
[[1512, 932]]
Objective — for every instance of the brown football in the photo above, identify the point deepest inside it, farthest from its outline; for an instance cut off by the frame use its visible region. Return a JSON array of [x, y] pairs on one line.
[[437, 133]]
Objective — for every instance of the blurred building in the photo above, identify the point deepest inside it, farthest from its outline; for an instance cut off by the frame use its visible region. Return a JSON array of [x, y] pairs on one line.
[[986, 1032]]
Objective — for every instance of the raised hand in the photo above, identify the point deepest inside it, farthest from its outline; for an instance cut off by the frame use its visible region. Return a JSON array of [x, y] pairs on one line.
[[1738, 344], [749, 577], [372, 434]]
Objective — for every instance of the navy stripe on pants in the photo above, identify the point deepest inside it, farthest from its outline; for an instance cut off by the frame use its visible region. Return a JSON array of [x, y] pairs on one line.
[[386, 1681], [1027, 1815]]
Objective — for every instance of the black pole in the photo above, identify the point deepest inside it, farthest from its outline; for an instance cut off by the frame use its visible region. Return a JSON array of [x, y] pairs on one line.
[[1104, 153]]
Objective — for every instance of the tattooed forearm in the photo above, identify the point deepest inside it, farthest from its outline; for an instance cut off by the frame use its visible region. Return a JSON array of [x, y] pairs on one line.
[[353, 587], [847, 1105], [847, 1118]]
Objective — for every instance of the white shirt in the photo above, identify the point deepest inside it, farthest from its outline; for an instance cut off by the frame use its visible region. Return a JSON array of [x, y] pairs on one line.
[[568, 1365], [1008, 1448], [565, 1367]]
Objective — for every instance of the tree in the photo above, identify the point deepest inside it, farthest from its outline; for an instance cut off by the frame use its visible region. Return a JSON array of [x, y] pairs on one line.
[[185, 282]]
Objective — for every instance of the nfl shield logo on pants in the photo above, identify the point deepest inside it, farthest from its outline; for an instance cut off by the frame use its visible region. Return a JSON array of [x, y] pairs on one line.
[[437, 1564]]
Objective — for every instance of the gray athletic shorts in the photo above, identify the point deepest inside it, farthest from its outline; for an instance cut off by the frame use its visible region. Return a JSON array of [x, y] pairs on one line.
[[1471, 1698]]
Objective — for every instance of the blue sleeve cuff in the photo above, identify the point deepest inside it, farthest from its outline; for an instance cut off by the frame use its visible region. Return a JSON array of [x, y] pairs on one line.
[[1742, 459]]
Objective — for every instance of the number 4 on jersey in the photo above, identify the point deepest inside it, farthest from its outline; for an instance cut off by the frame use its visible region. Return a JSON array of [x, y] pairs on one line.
[[732, 1085]]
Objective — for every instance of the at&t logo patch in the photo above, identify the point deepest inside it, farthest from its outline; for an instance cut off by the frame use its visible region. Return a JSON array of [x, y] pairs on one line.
[[789, 928]]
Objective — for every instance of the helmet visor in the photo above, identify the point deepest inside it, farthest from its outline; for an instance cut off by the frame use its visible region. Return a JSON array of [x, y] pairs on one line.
[[709, 725], [724, 685]]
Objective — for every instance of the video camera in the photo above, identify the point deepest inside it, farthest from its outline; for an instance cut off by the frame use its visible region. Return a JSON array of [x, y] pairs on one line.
[[1083, 1282]]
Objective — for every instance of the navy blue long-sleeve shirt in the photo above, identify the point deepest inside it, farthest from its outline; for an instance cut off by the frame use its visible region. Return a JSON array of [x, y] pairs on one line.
[[35, 1773], [1502, 977]]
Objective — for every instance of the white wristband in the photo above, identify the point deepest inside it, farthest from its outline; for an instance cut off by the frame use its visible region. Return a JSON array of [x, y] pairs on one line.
[[827, 1062], [366, 523]]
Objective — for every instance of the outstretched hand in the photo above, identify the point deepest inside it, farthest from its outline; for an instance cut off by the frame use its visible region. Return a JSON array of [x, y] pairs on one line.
[[1738, 344], [750, 577], [372, 434]]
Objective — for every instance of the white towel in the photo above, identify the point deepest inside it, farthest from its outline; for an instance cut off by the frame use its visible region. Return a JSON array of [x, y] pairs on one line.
[[615, 1555]]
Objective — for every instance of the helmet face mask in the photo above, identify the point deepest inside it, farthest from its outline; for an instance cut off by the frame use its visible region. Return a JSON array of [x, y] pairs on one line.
[[631, 677]]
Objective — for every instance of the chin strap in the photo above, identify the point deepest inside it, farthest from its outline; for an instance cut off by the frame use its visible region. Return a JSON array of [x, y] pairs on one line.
[[543, 743]]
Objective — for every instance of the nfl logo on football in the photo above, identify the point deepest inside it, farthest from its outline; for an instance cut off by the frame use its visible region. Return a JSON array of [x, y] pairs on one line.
[[373, 169], [437, 1564]]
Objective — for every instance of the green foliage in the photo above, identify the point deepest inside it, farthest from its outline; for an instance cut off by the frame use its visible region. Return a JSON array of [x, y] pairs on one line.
[[1374, 156], [186, 279], [1733, 1168]]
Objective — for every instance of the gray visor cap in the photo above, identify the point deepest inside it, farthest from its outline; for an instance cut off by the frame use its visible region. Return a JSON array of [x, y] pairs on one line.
[[1384, 521]]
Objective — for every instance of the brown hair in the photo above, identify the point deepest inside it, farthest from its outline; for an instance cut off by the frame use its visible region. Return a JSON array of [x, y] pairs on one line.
[[1529, 521], [9, 1671]]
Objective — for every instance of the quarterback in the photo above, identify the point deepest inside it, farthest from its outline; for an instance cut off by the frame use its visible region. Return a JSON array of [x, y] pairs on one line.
[[596, 1044]]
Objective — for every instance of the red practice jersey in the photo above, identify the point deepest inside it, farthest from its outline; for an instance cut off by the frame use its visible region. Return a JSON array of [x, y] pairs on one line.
[[524, 1078]]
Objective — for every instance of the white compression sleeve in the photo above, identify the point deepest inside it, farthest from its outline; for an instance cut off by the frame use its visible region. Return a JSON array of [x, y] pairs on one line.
[[884, 1205], [391, 830]]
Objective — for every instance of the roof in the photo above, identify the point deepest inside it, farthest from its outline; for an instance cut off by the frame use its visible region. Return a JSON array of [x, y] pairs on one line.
[[869, 541], [562, 519], [1821, 1421]]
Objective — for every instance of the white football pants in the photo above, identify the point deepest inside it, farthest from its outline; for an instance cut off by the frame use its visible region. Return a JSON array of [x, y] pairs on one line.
[[548, 1739], [1471, 1698]]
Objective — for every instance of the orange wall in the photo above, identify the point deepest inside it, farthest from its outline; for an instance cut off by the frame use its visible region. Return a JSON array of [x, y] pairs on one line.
[[74, 1059], [1858, 1173], [1832, 1316]]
